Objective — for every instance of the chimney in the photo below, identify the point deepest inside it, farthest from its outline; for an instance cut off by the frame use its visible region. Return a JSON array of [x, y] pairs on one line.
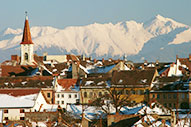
[[45, 54], [176, 56], [15, 58], [95, 60], [103, 60], [189, 57]]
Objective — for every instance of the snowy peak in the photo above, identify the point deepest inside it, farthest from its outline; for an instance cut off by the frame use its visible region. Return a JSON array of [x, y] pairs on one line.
[[12, 31], [160, 25]]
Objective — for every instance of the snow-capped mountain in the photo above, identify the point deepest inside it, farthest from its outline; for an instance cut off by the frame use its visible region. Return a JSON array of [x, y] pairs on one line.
[[158, 38]]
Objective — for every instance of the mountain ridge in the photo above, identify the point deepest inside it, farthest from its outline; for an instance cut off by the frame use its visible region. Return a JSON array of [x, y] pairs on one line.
[[103, 40]]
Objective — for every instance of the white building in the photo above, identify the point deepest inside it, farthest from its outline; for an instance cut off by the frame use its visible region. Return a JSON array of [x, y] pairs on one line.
[[15, 102], [64, 92]]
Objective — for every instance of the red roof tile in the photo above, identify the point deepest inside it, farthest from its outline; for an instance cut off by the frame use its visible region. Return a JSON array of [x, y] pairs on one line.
[[26, 34], [19, 92], [67, 83]]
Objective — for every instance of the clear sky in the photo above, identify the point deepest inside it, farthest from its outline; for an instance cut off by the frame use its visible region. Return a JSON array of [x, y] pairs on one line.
[[62, 13]]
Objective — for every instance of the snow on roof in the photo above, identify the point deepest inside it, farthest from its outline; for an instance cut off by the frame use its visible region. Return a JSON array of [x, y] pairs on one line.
[[83, 68], [1, 115], [8, 101], [128, 111], [103, 69], [89, 83], [91, 112]]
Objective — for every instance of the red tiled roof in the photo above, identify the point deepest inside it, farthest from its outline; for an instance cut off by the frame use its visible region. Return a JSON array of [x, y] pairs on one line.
[[26, 34], [19, 92], [8, 70], [67, 83]]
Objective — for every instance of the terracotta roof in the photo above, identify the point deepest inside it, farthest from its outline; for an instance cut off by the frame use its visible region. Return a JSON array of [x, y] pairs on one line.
[[135, 77], [17, 70], [72, 58], [26, 34], [19, 92], [186, 62], [67, 83]]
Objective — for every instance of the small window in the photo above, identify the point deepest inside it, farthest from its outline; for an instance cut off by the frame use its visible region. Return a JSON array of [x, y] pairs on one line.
[[58, 95], [90, 94], [183, 96], [127, 92], [85, 94], [100, 94], [174, 95], [158, 96], [69, 96], [62, 95], [164, 96], [57, 102], [169, 96], [170, 105], [48, 95], [62, 102], [133, 92], [75, 96], [22, 111], [6, 118], [6, 111], [26, 56], [22, 118], [153, 95], [165, 104]]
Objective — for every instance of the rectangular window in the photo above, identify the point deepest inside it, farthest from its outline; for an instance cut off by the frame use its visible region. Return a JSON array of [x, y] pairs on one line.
[[62, 95], [170, 105], [58, 95], [158, 96], [126, 92], [165, 104], [6, 111], [174, 95], [75, 95], [183, 96], [6, 118], [22, 118], [69, 96], [133, 92], [164, 96], [153, 95], [169, 96], [48, 95], [62, 102], [22, 111], [57, 102]]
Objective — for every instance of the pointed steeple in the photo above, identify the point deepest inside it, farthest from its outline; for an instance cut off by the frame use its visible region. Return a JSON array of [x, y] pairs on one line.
[[26, 32]]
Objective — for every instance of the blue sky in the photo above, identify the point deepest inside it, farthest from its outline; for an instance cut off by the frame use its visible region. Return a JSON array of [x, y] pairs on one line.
[[63, 13]]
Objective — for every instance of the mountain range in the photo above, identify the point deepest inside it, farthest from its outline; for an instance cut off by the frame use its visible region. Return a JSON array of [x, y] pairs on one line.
[[159, 38]]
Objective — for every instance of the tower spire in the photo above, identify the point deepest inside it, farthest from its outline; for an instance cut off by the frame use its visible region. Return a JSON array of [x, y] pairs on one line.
[[26, 32]]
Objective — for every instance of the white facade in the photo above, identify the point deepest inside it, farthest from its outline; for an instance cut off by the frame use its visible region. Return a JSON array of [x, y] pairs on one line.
[[63, 98], [58, 58], [27, 56], [174, 69]]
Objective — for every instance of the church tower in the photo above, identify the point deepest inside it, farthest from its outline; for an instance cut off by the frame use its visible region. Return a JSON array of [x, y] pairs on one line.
[[27, 56]]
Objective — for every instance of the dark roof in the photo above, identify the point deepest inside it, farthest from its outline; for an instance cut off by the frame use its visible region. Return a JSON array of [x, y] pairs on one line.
[[135, 77], [95, 81], [127, 122], [170, 83], [24, 82]]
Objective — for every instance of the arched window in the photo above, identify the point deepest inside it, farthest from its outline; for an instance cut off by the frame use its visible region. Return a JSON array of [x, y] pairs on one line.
[[85, 94], [26, 56]]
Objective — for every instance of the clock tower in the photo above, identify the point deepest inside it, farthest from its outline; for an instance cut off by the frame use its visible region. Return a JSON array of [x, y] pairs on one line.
[[27, 56]]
